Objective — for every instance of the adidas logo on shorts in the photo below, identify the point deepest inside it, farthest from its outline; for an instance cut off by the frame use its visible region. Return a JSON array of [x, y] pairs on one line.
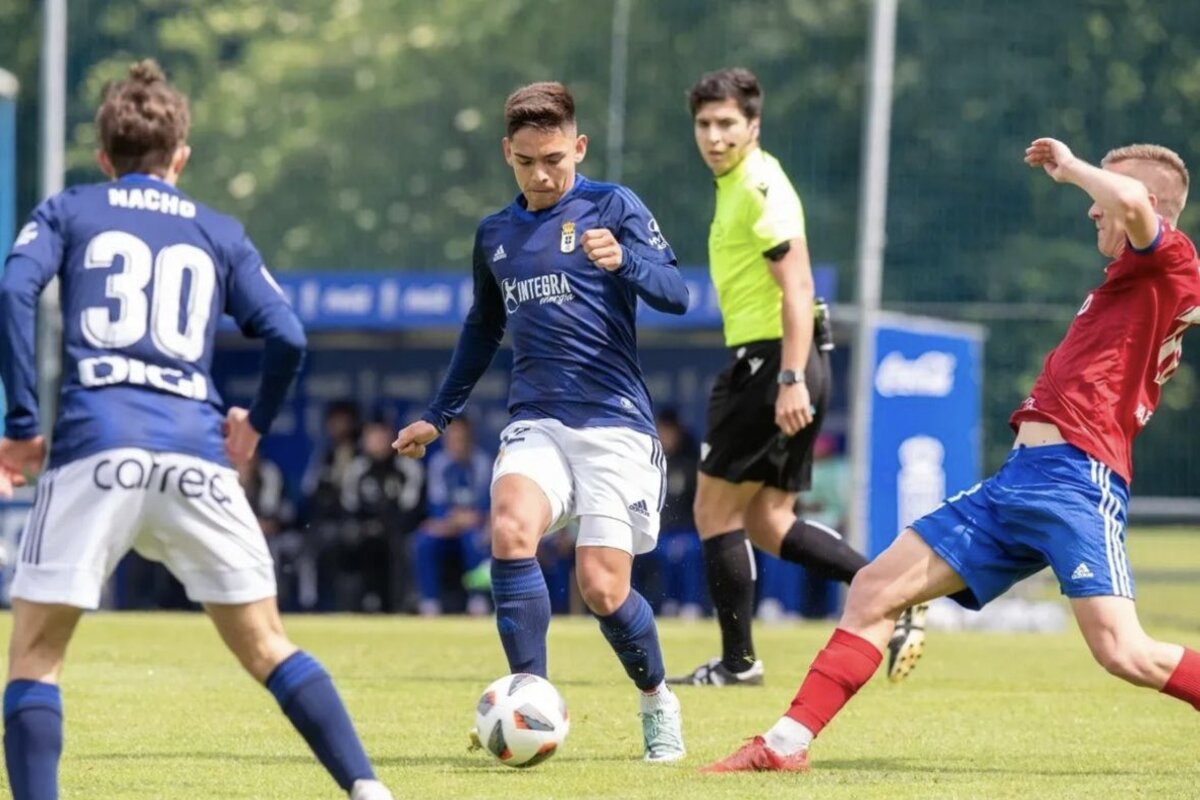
[[640, 508], [1081, 572]]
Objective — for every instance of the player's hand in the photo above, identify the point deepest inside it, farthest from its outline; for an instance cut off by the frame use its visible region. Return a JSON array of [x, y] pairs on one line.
[[19, 458], [241, 440], [412, 439], [793, 408], [1051, 155], [602, 248]]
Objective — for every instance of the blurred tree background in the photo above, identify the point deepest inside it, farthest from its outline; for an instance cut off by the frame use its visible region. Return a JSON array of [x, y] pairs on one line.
[[365, 134]]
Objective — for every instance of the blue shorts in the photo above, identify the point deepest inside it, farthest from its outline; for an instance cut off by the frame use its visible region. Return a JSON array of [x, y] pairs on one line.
[[1050, 506]]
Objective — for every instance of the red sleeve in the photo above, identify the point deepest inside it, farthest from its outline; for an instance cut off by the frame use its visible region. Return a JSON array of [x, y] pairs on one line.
[[1172, 251]]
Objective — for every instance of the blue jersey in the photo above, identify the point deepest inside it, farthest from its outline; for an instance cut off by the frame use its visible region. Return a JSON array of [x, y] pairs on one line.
[[145, 274], [572, 323], [453, 484]]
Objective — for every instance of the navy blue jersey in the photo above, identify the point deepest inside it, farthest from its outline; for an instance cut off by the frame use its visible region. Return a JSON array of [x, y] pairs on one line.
[[572, 323], [145, 275]]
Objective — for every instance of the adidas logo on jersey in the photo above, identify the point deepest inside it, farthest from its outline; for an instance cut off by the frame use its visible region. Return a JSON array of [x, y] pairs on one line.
[[1081, 572], [640, 508], [499, 255]]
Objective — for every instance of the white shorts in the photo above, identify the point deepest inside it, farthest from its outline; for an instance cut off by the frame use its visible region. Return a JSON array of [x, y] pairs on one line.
[[616, 473], [188, 513]]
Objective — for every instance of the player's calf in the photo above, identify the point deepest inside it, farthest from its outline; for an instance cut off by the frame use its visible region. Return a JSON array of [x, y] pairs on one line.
[[1113, 633], [33, 714], [303, 689]]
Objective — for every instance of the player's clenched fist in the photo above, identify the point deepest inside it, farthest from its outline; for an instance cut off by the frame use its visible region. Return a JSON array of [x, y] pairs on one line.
[[602, 248], [411, 441]]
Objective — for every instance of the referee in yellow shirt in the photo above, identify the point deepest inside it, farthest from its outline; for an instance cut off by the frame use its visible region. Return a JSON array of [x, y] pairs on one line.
[[766, 407]]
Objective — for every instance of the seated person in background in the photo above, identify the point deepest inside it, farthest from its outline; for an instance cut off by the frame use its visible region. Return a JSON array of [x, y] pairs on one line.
[[323, 476], [453, 539]]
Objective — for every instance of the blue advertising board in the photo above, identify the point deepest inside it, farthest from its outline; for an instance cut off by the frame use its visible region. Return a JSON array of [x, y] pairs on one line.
[[925, 433], [394, 378], [373, 301]]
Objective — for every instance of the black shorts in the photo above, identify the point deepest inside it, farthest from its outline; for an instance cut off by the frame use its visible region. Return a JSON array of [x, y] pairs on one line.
[[742, 442]]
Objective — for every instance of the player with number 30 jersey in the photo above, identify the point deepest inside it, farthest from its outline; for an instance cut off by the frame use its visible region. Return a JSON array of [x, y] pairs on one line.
[[142, 455], [145, 274]]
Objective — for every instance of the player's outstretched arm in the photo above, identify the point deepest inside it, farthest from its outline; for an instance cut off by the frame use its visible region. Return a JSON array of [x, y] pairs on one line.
[[481, 335], [1119, 195]]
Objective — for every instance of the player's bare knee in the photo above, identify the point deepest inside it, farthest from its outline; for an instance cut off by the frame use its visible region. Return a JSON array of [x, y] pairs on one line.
[[37, 660], [713, 517], [261, 655], [766, 526], [603, 589], [603, 597], [513, 536], [1127, 659], [873, 596]]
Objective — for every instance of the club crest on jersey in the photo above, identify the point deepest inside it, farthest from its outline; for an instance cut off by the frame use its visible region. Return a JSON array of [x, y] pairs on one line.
[[567, 243]]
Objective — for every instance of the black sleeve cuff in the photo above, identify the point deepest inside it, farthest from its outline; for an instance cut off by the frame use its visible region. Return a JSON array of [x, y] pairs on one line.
[[777, 252]]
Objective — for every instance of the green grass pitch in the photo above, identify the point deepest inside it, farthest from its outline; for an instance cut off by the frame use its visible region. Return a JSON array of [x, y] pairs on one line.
[[156, 708]]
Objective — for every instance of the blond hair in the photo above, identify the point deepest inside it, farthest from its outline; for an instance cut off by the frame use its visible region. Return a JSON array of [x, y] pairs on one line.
[[1166, 175]]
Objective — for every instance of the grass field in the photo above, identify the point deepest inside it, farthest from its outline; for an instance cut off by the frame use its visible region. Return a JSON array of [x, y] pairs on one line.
[[156, 709]]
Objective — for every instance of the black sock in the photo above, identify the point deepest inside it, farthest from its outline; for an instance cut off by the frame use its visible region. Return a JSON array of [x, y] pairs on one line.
[[822, 551], [729, 565]]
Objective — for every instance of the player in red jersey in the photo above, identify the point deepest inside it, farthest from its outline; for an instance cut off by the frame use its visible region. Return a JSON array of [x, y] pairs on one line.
[[1060, 498]]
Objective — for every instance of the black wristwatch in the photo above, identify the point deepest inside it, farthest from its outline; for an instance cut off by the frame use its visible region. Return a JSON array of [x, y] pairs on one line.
[[789, 377]]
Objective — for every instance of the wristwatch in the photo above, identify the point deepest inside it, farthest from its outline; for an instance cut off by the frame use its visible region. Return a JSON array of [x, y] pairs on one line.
[[788, 377]]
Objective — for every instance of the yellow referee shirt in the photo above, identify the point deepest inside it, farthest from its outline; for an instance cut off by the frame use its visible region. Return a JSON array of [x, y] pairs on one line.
[[757, 210]]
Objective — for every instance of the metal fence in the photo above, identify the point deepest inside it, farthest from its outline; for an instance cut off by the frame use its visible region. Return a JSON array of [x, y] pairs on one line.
[[365, 135]]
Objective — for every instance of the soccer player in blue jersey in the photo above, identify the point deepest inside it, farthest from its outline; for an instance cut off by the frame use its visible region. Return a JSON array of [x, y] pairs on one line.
[[562, 268], [141, 454]]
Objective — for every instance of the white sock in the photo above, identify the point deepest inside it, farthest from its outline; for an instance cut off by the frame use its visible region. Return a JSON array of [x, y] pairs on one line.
[[653, 699], [788, 737]]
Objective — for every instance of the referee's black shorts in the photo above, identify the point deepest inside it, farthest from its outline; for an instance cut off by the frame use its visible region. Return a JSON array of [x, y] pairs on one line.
[[742, 442]]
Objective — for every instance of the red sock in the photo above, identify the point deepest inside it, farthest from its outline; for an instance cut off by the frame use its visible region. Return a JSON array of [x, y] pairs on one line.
[[1184, 683], [836, 674]]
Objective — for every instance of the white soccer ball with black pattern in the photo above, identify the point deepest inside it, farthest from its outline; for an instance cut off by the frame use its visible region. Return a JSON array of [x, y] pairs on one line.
[[522, 720]]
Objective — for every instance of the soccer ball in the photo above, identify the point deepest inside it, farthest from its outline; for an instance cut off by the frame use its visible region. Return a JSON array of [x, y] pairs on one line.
[[522, 720]]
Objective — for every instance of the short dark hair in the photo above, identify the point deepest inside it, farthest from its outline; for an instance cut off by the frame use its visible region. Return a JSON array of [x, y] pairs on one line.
[[142, 120], [737, 83], [546, 105]]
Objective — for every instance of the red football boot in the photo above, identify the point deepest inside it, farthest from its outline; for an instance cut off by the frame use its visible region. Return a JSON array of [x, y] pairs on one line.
[[755, 756]]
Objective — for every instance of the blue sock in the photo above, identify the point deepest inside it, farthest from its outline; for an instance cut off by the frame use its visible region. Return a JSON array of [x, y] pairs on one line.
[[33, 739], [309, 699], [522, 612], [631, 632]]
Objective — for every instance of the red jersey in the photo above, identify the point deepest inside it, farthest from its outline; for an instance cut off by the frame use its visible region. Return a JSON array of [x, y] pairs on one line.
[[1102, 383]]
